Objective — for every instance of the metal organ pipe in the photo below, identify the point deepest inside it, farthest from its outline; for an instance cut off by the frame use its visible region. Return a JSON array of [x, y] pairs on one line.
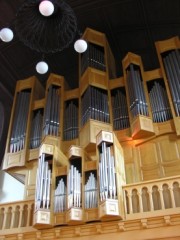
[[138, 104], [18, 133], [107, 178], [172, 68], [43, 183], [51, 114], [161, 111]]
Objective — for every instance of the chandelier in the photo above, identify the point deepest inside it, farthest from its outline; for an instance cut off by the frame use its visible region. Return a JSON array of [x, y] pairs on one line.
[[46, 26]]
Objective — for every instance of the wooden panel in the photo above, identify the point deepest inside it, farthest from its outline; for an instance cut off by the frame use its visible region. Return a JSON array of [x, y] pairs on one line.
[[90, 165], [142, 127], [89, 132], [148, 154], [116, 83], [93, 77], [33, 154], [14, 159], [166, 45], [131, 58], [128, 153], [172, 170], [60, 218], [91, 214], [169, 149], [94, 37], [148, 158], [130, 173], [30, 183], [71, 94], [177, 125], [153, 74]]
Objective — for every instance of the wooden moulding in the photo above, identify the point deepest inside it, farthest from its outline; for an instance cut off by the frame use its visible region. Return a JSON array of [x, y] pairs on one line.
[[177, 125], [131, 58], [164, 127], [75, 151], [94, 36], [91, 214], [116, 83], [74, 216], [30, 193], [167, 45], [60, 218], [153, 75], [109, 210], [89, 132], [142, 127], [42, 219], [90, 165], [57, 80], [33, 154], [71, 94], [51, 140], [59, 157], [93, 77], [47, 148], [17, 159], [38, 104], [65, 145], [31, 83], [124, 134], [60, 171], [104, 136]]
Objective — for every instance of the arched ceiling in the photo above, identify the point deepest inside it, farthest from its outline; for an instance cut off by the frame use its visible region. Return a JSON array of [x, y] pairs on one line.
[[130, 25]]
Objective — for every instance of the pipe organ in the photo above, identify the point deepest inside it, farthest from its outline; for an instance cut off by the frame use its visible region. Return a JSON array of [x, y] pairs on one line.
[[119, 109], [78, 147]]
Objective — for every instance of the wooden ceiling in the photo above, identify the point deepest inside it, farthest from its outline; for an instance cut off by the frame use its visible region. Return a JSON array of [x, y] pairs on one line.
[[130, 25]]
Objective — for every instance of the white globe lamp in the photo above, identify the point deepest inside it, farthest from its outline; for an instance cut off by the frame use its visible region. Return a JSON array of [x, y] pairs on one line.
[[42, 67], [80, 46], [46, 8], [6, 34]]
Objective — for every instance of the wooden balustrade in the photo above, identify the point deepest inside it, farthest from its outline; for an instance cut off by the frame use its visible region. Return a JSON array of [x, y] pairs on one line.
[[16, 215], [152, 197]]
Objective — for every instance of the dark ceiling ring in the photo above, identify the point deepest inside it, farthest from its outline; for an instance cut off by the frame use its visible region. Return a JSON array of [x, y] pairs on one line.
[[46, 34]]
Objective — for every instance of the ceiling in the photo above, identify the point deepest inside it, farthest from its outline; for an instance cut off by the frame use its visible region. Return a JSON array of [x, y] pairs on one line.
[[130, 25]]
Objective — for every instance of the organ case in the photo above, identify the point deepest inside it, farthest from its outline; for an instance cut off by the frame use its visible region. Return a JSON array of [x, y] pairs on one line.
[[110, 117], [17, 146], [169, 57], [140, 116], [111, 174]]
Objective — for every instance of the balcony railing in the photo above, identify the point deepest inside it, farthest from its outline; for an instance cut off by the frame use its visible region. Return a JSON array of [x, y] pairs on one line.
[[141, 200], [16, 214], [152, 198]]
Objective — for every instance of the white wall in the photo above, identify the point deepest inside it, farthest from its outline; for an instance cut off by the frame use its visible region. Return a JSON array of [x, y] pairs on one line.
[[10, 189]]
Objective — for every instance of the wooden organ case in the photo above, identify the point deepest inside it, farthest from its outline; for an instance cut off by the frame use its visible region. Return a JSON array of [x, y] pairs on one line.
[[78, 149]]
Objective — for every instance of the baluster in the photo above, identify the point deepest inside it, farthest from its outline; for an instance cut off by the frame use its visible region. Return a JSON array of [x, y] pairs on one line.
[[13, 217], [125, 201], [161, 198], [20, 217], [5, 218], [151, 200], [139, 193], [130, 203], [28, 215], [172, 196]]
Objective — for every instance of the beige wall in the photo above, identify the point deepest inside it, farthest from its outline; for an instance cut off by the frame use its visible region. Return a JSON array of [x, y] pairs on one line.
[[10, 189]]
